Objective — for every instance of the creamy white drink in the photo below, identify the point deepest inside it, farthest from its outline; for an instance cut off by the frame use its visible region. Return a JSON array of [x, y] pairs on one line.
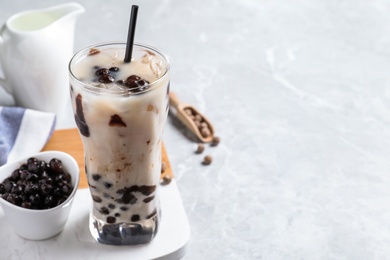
[[120, 109]]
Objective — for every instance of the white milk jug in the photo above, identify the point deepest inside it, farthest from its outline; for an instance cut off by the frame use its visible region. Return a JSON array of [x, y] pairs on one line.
[[35, 49]]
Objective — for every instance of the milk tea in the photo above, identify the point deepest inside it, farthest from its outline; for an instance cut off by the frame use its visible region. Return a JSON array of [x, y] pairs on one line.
[[120, 109]]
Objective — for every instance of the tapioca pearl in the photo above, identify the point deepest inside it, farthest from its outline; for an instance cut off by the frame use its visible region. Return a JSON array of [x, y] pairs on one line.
[[111, 206], [143, 83], [204, 125], [79, 107], [96, 177], [198, 124], [107, 185], [101, 71], [120, 191], [57, 192], [66, 189], [82, 126], [148, 199], [18, 189], [96, 198], [61, 200], [106, 195], [147, 190], [130, 84], [114, 69], [2, 188], [26, 205], [200, 149], [104, 210], [124, 208], [188, 111], [111, 220], [132, 81], [135, 218], [117, 215], [133, 78], [136, 83], [29, 189], [106, 78], [207, 160], [50, 201], [116, 120], [128, 197], [15, 175], [8, 184], [10, 198], [134, 188], [24, 174], [35, 199], [205, 132], [199, 118], [32, 177], [215, 141], [55, 166]]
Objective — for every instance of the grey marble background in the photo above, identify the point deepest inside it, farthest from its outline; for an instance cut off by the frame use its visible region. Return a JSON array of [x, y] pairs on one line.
[[298, 91]]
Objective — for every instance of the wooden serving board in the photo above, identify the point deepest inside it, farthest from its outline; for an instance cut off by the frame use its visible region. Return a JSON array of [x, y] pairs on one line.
[[69, 141]]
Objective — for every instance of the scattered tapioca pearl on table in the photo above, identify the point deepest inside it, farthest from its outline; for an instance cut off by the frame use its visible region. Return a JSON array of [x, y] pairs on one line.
[[215, 141], [207, 160], [200, 149]]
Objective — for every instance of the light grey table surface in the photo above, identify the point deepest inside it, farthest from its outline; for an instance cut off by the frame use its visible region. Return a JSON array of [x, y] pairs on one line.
[[298, 91]]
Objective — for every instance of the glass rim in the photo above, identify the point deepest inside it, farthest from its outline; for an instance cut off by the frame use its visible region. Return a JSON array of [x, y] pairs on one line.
[[95, 89]]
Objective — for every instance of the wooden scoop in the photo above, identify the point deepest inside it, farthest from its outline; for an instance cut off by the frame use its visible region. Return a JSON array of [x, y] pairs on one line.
[[197, 123]]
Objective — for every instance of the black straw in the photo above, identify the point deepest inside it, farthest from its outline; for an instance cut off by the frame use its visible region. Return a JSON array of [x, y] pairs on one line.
[[130, 35]]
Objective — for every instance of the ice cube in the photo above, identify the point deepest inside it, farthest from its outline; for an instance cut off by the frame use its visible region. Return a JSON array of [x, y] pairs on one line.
[[98, 85], [147, 58], [156, 66]]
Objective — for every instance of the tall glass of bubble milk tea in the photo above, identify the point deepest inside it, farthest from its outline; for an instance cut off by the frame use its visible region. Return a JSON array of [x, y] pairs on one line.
[[120, 110]]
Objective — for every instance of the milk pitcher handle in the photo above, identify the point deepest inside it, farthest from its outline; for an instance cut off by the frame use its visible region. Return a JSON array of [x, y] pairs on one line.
[[3, 83]]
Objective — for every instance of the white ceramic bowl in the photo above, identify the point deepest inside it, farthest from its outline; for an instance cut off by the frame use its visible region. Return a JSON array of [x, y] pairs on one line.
[[36, 224]]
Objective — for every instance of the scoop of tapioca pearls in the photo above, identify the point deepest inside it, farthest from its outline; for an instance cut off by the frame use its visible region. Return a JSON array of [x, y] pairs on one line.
[[200, 123], [133, 82]]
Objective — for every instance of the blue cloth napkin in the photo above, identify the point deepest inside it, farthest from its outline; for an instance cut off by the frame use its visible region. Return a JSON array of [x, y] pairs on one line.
[[23, 132]]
